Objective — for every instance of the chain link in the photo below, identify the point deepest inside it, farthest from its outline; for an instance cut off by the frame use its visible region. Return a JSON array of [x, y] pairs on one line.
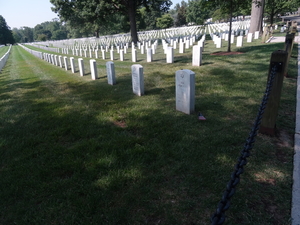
[[219, 216]]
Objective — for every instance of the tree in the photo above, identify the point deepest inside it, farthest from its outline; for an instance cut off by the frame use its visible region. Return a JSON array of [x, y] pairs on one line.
[[257, 12], [181, 14], [82, 13], [229, 7], [6, 35], [95, 14], [165, 21], [196, 12], [146, 18], [275, 7]]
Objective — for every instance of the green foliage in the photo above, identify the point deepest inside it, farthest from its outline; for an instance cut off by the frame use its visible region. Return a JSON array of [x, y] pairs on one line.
[[181, 14], [6, 36], [165, 21], [196, 13], [275, 7], [101, 15], [146, 18]]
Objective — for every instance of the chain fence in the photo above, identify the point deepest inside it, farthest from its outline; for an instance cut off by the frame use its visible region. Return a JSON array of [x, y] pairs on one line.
[[218, 217]]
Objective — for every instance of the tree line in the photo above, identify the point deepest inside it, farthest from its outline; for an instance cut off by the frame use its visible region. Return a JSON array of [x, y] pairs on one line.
[[86, 18]]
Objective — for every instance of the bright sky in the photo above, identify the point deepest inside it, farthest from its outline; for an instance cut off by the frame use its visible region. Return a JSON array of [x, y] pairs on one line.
[[29, 13]]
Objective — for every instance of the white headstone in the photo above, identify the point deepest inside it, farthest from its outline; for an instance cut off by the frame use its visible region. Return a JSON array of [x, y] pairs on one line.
[[181, 47], [55, 60], [110, 70], [249, 37], [66, 62], [170, 55], [137, 79], [94, 72], [52, 59], [142, 49], [149, 55], [185, 91], [232, 39], [60, 61], [218, 42], [256, 35], [121, 51], [197, 55], [72, 62], [103, 54], [239, 41], [111, 54], [133, 54], [81, 66]]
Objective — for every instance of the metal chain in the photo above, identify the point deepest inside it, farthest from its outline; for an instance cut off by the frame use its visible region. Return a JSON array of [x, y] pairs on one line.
[[219, 216]]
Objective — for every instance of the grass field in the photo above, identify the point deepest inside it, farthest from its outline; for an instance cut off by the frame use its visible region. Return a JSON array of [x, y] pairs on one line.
[[78, 151], [3, 50]]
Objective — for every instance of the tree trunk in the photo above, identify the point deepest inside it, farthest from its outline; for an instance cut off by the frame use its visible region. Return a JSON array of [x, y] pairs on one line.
[[272, 14], [132, 19], [230, 28], [257, 13]]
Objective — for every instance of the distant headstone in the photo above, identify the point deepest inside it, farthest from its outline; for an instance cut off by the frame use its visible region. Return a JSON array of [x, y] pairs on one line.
[[111, 54], [232, 39], [103, 54], [218, 42], [81, 66], [249, 37], [137, 79], [149, 55], [60, 61], [72, 62], [55, 60], [110, 70], [185, 91], [94, 72], [181, 47], [133, 55], [197, 55], [121, 51], [52, 59], [256, 35], [66, 62], [239, 41], [142, 49], [170, 55]]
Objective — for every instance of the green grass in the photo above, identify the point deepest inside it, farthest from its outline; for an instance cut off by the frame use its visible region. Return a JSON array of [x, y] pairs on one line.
[[3, 50], [77, 151]]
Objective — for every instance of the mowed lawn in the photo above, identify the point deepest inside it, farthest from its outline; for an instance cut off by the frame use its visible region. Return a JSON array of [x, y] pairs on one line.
[[78, 151]]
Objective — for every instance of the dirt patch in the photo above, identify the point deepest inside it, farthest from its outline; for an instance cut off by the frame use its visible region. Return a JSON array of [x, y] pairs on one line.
[[227, 53]]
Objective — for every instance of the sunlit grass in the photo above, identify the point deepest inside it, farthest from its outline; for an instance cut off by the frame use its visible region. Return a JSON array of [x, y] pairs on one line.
[[78, 151]]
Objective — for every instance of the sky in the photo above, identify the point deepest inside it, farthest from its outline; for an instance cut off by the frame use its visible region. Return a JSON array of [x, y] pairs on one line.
[[29, 13]]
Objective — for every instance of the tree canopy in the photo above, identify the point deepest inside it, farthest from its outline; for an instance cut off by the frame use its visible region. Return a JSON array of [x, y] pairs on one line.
[[98, 13], [6, 36]]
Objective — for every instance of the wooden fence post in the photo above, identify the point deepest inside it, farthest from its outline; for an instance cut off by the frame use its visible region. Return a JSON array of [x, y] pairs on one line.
[[288, 47], [268, 123]]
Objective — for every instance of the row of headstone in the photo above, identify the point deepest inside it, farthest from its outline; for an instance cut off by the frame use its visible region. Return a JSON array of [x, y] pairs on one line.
[[184, 79], [4, 58], [63, 62], [33, 52]]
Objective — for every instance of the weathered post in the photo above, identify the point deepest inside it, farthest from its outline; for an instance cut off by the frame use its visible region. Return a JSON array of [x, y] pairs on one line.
[[288, 47], [268, 123]]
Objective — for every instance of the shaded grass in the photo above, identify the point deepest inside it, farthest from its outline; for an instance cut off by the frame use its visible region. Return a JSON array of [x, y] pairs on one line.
[[77, 151]]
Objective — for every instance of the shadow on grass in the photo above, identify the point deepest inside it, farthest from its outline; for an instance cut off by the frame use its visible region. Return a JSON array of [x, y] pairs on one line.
[[86, 152]]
